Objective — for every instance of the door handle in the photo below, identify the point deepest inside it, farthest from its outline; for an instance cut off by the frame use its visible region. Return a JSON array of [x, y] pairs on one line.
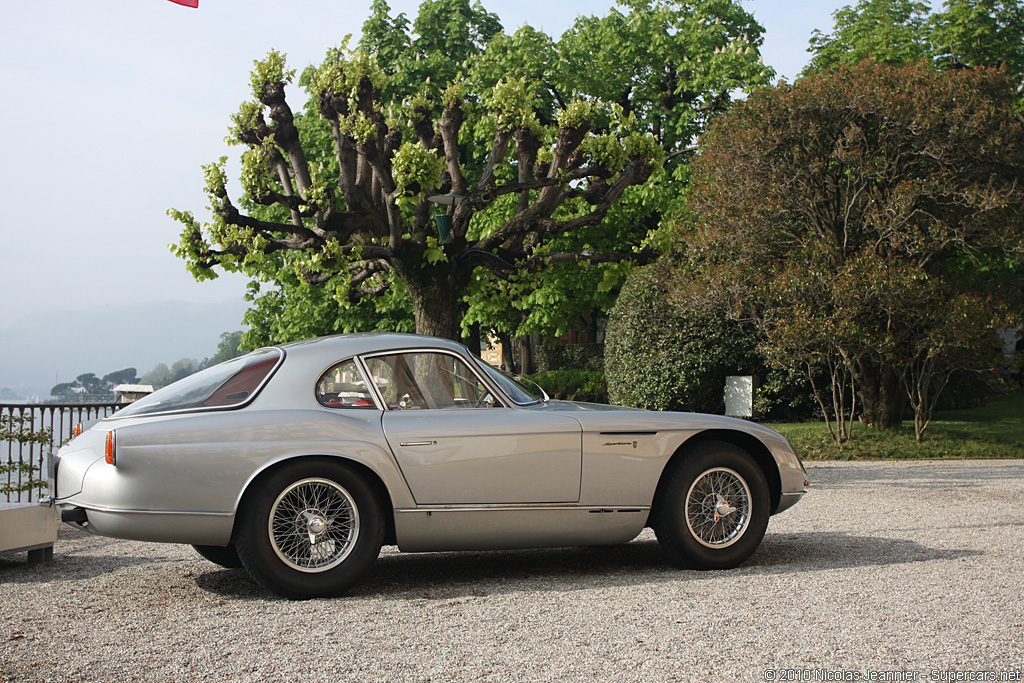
[[404, 444]]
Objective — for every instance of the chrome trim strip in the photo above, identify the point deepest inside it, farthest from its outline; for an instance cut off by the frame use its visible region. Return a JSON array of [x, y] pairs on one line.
[[528, 507], [122, 511], [368, 381], [628, 433]]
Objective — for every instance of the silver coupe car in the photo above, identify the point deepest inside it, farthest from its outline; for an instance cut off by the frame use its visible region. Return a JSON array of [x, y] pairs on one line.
[[299, 462]]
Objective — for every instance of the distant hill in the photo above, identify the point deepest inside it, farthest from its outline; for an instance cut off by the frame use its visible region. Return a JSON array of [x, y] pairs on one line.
[[46, 348]]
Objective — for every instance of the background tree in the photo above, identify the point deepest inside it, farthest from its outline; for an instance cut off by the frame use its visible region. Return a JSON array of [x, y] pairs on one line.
[[336, 195], [884, 31], [975, 33], [227, 348], [873, 207], [161, 375], [126, 376], [960, 34]]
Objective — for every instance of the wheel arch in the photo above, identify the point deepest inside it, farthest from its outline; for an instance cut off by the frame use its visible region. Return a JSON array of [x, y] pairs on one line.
[[371, 477], [748, 442]]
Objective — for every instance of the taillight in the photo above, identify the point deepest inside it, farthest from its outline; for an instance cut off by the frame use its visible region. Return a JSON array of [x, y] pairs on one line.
[[108, 450], [76, 431]]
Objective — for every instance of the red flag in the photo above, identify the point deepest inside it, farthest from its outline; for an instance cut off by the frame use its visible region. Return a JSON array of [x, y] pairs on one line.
[[187, 3]]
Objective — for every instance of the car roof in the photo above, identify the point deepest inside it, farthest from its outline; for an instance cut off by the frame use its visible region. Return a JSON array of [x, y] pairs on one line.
[[344, 345]]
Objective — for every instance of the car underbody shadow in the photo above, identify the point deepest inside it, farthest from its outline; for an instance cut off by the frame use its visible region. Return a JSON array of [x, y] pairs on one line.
[[448, 575]]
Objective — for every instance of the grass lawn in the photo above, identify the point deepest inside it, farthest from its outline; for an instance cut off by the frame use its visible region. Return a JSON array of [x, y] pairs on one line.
[[994, 431]]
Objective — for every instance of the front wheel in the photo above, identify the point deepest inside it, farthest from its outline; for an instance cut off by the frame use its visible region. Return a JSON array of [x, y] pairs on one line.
[[312, 529], [712, 509]]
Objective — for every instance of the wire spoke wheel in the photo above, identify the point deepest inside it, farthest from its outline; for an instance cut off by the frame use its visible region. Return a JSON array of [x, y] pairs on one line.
[[718, 507], [313, 525]]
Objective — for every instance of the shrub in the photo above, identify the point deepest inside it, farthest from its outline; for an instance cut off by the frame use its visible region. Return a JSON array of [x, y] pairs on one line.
[[570, 356], [660, 357], [573, 384], [22, 476]]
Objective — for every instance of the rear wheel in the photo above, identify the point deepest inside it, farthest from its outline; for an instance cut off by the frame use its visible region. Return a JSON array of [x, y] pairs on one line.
[[712, 509], [312, 529]]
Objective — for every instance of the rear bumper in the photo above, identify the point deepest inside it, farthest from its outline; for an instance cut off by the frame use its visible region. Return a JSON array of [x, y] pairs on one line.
[[195, 528]]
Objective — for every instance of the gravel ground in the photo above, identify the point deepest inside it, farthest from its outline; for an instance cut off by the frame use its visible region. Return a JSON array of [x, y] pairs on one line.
[[914, 569]]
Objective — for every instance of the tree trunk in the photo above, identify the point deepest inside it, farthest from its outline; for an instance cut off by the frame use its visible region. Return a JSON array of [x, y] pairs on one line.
[[881, 394], [508, 359], [526, 362], [436, 307], [473, 340]]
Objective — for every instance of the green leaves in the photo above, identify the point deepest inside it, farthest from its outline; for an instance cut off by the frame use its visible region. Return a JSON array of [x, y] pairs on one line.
[[838, 212], [545, 139], [269, 71], [671, 64], [416, 169], [964, 33], [889, 32], [511, 102]]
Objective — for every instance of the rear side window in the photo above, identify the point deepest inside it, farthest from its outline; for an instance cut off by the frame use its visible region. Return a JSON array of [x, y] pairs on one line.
[[227, 385], [342, 386]]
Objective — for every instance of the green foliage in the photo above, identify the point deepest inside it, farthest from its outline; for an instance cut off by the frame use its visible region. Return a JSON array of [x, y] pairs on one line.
[[22, 476], [661, 357], [512, 103], [545, 139], [385, 36], [965, 33], [230, 346], [673, 64], [980, 33], [269, 71], [589, 386], [993, 431], [416, 169], [884, 31], [840, 213], [300, 310], [570, 356]]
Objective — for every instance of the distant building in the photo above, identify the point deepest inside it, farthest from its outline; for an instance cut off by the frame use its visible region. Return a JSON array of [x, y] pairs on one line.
[[129, 393]]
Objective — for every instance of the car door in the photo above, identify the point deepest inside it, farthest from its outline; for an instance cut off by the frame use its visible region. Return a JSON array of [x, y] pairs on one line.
[[456, 444]]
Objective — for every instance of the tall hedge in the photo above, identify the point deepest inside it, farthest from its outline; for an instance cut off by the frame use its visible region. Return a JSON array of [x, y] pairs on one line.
[[661, 357]]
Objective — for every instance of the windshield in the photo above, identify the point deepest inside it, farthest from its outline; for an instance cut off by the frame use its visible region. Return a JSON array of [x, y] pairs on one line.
[[522, 392], [226, 385]]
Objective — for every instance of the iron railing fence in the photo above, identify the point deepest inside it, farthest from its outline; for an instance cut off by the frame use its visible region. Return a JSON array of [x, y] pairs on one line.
[[60, 419]]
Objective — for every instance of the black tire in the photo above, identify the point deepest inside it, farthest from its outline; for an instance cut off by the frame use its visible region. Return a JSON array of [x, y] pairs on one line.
[[712, 507], [311, 529], [226, 557]]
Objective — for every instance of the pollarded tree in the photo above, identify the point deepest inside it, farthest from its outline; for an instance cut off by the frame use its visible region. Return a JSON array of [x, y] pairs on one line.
[[367, 215], [871, 208], [338, 194]]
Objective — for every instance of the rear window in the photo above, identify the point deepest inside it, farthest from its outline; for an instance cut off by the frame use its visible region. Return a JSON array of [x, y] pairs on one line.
[[342, 386], [229, 384]]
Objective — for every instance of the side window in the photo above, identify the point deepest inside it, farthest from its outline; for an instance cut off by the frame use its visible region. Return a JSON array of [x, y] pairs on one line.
[[343, 387], [427, 381]]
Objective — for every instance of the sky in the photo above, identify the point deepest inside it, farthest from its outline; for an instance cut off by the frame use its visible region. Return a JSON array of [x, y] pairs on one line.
[[110, 107]]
